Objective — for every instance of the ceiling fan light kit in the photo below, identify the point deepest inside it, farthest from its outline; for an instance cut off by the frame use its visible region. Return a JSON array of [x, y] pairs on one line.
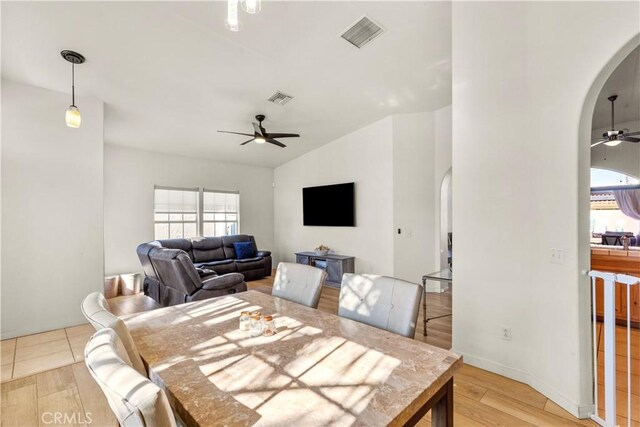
[[613, 137], [72, 117], [261, 136]]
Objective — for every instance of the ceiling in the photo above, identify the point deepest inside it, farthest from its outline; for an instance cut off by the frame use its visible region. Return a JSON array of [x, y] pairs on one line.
[[624, 82], [170, 74]]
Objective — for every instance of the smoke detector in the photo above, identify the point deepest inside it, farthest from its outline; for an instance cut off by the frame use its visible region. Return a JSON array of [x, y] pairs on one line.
[[280, 98], [362, 32]]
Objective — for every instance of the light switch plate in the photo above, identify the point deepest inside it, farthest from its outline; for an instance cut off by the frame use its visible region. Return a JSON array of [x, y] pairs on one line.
[[557, 256]]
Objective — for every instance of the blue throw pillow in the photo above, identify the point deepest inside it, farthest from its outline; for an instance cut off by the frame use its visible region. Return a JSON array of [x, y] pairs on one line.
[[244, 250]]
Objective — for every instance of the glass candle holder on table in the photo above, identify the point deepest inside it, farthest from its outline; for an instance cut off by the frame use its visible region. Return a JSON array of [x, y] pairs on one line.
[[256, 324], [245, 321], [268, 326]]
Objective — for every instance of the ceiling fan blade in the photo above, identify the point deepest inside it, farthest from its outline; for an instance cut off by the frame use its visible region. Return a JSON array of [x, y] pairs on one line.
[[248, 141], [595, 144], [235, 133], [283, 135], [256, 127], [274, 142], [632, 133], [630, 139]]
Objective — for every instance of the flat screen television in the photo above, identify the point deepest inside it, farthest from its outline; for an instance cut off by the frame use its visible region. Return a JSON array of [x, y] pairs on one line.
[[329, 205]]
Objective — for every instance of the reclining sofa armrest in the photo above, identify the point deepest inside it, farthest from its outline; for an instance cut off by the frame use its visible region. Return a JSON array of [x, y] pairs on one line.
[[263, 253], [222, 282]]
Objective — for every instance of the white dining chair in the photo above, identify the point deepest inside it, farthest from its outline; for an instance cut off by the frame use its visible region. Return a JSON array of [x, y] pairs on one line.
[[299, 283], [380, 301], [95, 309], [133, 398]]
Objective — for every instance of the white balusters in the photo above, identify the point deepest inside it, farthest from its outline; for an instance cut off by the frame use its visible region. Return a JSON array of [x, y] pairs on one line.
[[610, 396]]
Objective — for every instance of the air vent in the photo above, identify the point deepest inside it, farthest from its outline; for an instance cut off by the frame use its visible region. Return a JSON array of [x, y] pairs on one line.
[[280, 98], [362, 32]]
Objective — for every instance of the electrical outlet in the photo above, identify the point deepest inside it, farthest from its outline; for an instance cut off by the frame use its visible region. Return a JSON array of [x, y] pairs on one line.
[[506, 333]]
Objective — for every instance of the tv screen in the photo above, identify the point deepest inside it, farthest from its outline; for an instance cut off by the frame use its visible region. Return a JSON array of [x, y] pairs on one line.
[[329, 205]]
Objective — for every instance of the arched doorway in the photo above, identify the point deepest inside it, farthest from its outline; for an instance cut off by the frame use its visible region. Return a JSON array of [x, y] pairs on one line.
[[588, 128], [446, 226]]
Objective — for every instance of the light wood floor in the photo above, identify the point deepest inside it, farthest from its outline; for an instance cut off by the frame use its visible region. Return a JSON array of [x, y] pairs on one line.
[[481, 398]]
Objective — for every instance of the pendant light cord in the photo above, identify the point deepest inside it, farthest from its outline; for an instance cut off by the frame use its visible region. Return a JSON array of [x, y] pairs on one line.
[[73, 84], [612, 115]]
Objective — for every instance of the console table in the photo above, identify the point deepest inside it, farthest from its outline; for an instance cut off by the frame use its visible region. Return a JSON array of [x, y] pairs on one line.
[[334, 265], [444, 275]]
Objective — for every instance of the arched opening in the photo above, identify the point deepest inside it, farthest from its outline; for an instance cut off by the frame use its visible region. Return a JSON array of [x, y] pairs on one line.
[[615, 164], [446, 236]]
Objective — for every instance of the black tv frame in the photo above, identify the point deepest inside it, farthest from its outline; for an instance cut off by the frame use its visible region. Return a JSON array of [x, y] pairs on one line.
[[305, 216]]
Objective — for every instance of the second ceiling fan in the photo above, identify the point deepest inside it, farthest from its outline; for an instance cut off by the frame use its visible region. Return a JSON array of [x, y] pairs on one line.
[[614, 137], [260, 135]]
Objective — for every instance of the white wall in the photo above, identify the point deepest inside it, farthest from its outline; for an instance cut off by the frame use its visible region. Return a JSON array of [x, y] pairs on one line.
[[623, 158], [397, 164], [413, 195], [363, 157], [52, 219], [129, 178], [519, 87]]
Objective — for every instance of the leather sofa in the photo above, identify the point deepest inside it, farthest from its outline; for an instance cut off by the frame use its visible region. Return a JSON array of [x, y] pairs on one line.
[[178, 269]]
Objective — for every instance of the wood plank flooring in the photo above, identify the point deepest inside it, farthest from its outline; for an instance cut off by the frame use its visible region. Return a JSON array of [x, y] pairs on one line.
[[481, 398]]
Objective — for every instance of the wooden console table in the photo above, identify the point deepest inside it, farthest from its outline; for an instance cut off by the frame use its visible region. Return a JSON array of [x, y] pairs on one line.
[[334, 265]]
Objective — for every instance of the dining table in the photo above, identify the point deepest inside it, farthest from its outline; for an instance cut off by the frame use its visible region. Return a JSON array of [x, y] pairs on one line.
[[317, 369]]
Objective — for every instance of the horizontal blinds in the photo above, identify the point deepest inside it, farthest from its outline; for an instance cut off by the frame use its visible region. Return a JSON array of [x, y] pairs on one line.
[[220, 202], [175, 200]]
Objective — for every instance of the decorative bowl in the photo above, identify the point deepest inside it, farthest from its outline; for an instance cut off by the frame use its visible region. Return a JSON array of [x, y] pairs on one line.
[[322, 253]]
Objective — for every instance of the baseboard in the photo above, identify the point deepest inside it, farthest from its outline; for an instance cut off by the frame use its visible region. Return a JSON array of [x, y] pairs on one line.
[[577, 410]]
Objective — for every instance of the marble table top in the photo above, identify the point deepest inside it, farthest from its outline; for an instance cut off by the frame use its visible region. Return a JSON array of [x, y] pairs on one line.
[[318, 369]]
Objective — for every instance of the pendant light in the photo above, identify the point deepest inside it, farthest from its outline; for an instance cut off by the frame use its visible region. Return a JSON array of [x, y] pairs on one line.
[[72, 116], [232, 23], [251, 6]]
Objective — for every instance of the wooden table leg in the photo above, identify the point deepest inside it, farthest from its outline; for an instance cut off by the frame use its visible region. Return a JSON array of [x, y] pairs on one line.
[[441, 407], [442, 411]]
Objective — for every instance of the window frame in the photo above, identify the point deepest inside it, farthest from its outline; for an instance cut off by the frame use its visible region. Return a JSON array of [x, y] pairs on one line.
[[199, 221], [237, 212]]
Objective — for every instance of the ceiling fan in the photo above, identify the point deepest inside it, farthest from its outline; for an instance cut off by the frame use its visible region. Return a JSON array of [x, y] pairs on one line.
[[260, 135], [614, 137]]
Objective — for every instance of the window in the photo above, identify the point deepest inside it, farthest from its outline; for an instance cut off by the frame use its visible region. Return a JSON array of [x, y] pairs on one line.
[[192, 212], [606, 216], [175, 213], [220, 213]]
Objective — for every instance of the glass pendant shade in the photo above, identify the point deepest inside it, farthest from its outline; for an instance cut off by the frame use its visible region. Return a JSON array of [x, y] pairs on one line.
[[232, 23], [260, 141], [250, 6], [613, 143], [233, 26], [72, 117]]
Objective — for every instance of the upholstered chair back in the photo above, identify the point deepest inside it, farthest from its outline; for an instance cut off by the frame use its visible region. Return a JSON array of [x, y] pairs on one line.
[[299, 283], [95, 309], [176, 270], [133, 398], [380, 301], [144, 251]]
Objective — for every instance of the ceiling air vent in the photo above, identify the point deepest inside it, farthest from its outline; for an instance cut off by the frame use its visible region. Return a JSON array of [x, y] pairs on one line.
[[280, 98], [362, 32]]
